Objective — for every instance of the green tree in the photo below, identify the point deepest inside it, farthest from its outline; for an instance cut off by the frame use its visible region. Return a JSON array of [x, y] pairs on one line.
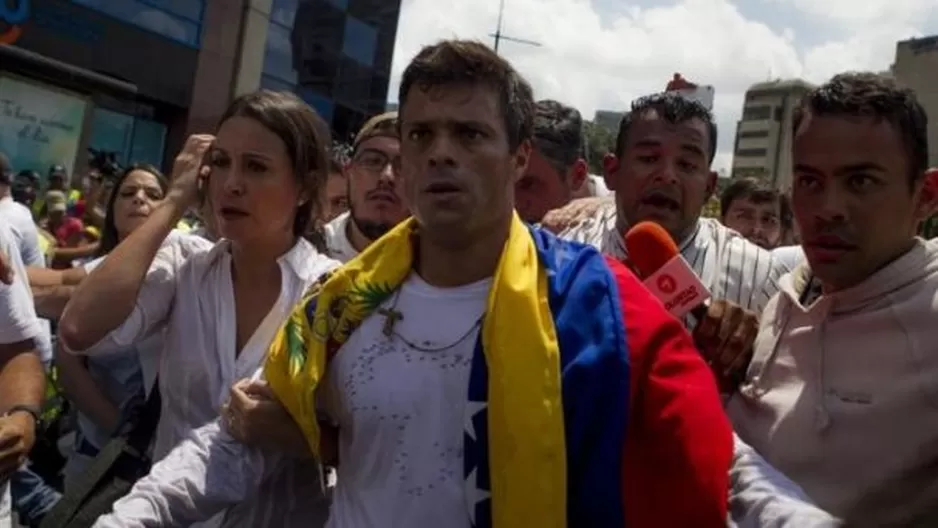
[[599, 141]]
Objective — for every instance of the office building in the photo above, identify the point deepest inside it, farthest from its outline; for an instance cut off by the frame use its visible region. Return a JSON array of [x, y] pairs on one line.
[[131, 77], [916, 66], [764, 133], [136, 77], [335, 54]]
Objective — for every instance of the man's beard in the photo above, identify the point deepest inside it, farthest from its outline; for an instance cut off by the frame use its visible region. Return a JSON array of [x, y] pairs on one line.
[[372, 230]]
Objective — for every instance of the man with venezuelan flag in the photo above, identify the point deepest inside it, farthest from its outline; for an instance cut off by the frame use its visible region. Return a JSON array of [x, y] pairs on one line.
[[484, 373], [478, 372]]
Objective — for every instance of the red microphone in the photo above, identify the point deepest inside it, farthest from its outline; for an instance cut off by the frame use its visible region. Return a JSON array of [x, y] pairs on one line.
[[657, 261]]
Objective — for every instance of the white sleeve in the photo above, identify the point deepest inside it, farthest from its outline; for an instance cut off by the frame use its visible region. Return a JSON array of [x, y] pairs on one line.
[[155, 300], [760, 495], [16, 301], [204, 475]]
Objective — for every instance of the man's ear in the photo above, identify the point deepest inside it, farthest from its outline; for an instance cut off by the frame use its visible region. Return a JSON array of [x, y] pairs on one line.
[[522, 158], [610, 171], [578, 174], [928, 196], [711, 183]]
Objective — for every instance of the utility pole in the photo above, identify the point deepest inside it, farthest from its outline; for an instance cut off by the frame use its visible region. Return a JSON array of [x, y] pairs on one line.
[[498, 31]]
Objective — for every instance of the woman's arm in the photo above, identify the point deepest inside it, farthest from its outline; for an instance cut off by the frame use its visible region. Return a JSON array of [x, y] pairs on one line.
[[68, 254], [124, 290], [52, 289], [83, 391], [50, 301], [124, 285], [44, 277]]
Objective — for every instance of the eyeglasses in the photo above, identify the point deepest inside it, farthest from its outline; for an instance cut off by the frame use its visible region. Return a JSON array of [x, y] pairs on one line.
[[375, 161]]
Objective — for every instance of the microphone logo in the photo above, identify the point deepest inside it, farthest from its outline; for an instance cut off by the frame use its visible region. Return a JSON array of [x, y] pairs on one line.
[[666, 284]]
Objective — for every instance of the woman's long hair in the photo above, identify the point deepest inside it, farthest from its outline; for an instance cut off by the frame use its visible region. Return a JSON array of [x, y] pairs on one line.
[[307, 141], [109, 235]]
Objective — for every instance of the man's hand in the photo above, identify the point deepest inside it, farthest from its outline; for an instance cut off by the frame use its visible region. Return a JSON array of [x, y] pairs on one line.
[[255, 417], [725, 337], [6, 269], [573, 213], [17, 435]]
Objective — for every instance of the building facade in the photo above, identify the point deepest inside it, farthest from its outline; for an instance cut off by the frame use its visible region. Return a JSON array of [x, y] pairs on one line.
[[764, 133], [916, 67], [113, 75], [335, 54], [136, 77]]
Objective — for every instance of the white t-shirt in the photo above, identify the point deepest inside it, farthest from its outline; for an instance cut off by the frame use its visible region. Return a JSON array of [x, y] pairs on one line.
[[27, 240], [788, 256], [19, 323], [337, 243], [401, 411]]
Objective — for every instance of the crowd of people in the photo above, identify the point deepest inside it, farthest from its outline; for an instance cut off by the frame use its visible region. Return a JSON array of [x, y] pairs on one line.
[[444, 323]]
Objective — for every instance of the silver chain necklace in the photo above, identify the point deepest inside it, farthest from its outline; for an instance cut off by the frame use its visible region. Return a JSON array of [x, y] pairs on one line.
[[392, 316]]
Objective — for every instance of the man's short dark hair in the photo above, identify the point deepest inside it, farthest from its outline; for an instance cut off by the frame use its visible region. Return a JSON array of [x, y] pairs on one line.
[[673, 108], [746, 189], [865, 94], [758, 193], [473, 63], [558, 134]]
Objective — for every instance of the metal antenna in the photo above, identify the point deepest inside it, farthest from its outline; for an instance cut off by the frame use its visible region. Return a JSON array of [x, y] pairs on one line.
[[498, 31]]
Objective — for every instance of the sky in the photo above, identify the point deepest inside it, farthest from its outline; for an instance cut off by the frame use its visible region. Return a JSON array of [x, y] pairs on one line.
[[602, 54]]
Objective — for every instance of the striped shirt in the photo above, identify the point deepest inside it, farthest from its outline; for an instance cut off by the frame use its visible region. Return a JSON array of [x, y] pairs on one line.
[[731, 267]]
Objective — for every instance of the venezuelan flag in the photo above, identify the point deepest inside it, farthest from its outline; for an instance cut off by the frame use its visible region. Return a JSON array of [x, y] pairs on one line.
[[548, 397]]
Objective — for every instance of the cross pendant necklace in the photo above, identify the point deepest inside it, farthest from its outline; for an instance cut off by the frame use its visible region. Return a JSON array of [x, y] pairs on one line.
[[391, 317]]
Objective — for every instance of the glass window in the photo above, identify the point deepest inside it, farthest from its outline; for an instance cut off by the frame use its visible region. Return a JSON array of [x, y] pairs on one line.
[[39, 127], [111, 132], [283, 12], [754, 134], [323, 105], [191, 9], [752, 153], [157, 20], [359, 42], [149, 139], [275, 84], [353, 86], [757, 113], [278, 55]]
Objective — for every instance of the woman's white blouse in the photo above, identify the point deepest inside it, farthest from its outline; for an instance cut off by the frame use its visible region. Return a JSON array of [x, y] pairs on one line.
[[189, 292]]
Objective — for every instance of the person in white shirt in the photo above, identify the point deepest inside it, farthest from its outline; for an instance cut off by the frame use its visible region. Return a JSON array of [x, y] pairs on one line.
[[22, 379], [263, 174], [789, 257], [20, 220], [661, 172], [108, 390], [376, 203]]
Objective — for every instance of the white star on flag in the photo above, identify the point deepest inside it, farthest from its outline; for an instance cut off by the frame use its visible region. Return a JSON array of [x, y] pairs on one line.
[[472, 409], [474, 496]]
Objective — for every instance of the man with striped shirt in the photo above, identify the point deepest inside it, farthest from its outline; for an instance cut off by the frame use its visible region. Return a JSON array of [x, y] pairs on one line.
[[660, 171]]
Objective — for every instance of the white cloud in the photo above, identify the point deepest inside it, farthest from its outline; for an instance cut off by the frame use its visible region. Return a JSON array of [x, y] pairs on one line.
[[595, 62]]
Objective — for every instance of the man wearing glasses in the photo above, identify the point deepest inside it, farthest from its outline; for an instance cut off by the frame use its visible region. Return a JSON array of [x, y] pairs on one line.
[[374, 196]]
